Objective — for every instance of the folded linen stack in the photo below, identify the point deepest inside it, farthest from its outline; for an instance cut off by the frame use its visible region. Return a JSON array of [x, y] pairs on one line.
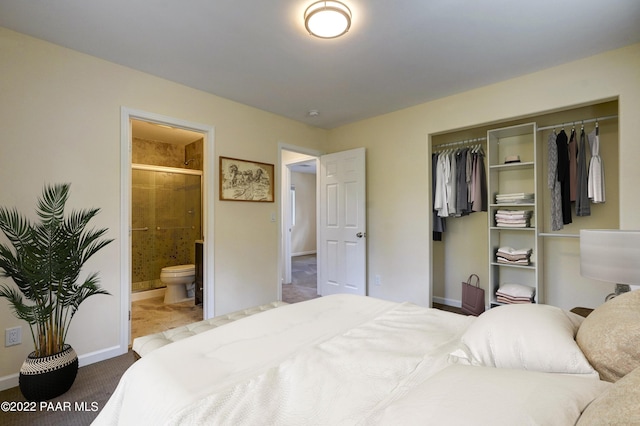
[[515, 293], [516, 198], [512, 256], [513, 218]]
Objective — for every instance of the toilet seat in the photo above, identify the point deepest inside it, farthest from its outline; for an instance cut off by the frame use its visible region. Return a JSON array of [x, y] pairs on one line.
[[178, 271]]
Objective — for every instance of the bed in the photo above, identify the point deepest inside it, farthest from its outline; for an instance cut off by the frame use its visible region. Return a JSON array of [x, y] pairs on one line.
[[353, 360]]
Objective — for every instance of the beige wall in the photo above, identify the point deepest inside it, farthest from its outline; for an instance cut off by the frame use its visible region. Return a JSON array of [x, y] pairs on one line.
[[303, 233], [398, 162], [60, 122]]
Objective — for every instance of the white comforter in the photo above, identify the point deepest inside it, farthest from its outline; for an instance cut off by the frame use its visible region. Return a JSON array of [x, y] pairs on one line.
[[351, 360], [330, 361]]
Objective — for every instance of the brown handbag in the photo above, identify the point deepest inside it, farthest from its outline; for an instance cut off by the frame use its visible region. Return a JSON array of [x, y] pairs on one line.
[[472, 296]]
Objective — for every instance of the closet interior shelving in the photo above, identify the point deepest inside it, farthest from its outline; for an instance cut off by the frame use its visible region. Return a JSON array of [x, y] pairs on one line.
[[469, 243], [519, 142]]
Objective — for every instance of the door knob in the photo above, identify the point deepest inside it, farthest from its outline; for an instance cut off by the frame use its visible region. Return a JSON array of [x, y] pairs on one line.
[[361, 234]]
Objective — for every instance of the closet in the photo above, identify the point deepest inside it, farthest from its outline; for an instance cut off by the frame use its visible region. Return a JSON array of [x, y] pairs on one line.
[[516, 162]]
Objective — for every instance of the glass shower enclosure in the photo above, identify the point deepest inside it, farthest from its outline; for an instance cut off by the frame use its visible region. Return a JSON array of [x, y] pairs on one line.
[[166, 221]]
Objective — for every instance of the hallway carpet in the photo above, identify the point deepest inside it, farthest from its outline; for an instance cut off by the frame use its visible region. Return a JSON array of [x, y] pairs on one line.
[[304, 277]]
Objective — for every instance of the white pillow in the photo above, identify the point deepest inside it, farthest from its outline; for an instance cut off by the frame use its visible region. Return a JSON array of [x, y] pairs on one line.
[[527, 337], [466, 395]]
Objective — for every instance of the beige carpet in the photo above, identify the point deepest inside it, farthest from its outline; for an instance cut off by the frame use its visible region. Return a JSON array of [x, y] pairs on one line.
[[304, 277], [92, 388]]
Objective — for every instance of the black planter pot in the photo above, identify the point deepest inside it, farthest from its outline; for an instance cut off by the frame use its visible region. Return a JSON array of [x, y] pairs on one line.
[[43, 378]]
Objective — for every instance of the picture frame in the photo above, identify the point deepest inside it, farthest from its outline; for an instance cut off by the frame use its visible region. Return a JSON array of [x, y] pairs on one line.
[[244, 180]]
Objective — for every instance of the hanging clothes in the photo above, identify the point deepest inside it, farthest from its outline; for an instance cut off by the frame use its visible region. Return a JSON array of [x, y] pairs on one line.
[[444, 189], [595, 191], [439, 223], [458, 183], [554, 184], [479, 183], [462, 184], [442, 171], [563, 175], [573, 164], [452, 185], [583, 206]]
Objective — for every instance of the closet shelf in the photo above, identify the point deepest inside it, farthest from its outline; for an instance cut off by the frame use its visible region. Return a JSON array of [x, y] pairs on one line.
[[512, 205], [508, 228], [512, 166], [531, 266], [494, 302]]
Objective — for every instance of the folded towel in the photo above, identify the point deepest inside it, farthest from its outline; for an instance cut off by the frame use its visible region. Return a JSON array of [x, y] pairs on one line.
[[511, 250], [514, 212], [516, 291]]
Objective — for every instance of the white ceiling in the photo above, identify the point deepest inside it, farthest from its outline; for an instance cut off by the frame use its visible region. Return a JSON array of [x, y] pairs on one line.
[[397, 54]]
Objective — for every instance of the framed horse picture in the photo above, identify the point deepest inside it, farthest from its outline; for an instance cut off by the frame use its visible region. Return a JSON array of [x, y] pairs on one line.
[[242, 180]]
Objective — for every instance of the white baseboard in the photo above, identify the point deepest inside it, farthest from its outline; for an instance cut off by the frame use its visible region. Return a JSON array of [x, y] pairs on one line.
[[11, 381], [303, 253], [8, 382], [101, 355], [448, 302]]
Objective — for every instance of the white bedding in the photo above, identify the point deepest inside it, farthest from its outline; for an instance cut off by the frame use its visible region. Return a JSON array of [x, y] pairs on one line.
[[334, 360]]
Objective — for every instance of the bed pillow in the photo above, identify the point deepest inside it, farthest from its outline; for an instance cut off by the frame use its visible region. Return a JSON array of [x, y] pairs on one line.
[[468, 395], [618, 405], [610, 336], [527, 337]]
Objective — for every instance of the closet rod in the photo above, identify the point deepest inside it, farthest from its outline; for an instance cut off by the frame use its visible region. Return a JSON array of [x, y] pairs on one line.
[[573, 123], [436, 147]]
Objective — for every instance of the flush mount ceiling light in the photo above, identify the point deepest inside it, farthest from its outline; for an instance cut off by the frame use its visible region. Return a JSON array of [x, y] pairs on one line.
[[327, 19]]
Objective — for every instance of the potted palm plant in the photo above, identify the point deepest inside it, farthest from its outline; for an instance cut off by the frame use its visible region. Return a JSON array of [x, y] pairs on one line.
[[44, 260]]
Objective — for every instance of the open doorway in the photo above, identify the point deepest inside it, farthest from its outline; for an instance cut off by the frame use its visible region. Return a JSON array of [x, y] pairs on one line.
[[299, 226], [189, 177], [340, 220], [166, 227]]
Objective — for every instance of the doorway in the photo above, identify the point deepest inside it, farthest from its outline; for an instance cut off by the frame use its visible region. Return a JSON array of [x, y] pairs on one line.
[[340, 219], [303, 284], [160, 135], [299, 207]]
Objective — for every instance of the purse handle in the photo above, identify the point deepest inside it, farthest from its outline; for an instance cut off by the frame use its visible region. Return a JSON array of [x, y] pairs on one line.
[[477, 280]]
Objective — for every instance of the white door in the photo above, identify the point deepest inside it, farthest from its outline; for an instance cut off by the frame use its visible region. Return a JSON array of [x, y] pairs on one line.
[[342, 242]]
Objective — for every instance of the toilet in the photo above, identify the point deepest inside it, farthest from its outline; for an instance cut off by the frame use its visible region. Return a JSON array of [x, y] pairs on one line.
[[177, 278]]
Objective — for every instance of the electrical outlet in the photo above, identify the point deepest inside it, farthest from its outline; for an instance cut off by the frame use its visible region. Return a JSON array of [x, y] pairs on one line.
[[13, 336]]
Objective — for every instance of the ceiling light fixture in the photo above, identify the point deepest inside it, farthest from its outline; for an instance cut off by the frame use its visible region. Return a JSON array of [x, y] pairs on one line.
[[327, 19]]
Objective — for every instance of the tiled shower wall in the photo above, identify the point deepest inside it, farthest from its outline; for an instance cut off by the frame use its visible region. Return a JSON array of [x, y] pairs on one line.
[[166, 211]]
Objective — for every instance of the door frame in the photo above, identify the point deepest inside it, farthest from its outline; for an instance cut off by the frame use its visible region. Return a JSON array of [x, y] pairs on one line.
[[208, 133], [284, 242]]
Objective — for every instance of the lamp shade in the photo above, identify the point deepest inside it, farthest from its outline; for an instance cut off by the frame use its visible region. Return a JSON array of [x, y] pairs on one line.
[[611, 255]]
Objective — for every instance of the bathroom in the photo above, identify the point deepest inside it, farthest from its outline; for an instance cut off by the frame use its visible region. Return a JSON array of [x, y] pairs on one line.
[[166, 225]]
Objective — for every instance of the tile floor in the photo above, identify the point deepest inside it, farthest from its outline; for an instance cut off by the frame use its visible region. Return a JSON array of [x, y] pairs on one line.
[[153, 316]]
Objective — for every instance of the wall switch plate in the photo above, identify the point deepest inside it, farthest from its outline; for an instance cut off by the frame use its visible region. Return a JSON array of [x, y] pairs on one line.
[[13, 336]]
